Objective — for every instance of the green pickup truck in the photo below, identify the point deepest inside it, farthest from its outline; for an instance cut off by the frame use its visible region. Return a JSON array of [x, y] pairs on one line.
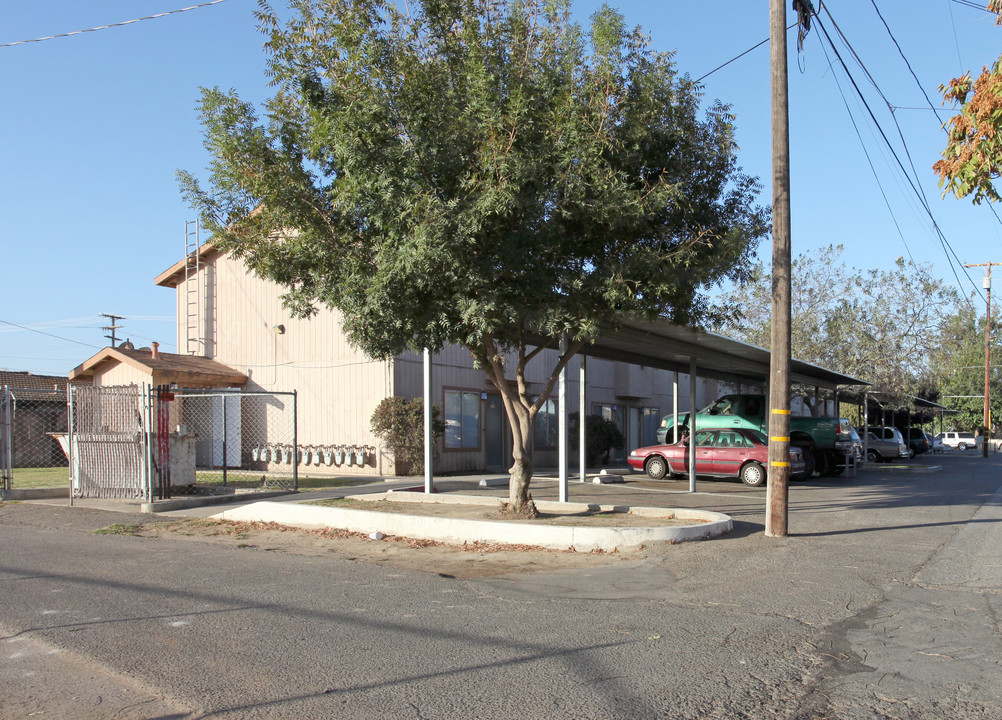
[[823, 440]]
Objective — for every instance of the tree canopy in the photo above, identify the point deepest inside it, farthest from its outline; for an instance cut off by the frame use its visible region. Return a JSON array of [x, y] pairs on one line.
[[877, 325], [472, 171], [972, 159]]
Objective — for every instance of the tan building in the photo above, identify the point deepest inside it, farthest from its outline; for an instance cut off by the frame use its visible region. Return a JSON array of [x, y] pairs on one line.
[[229, 316]]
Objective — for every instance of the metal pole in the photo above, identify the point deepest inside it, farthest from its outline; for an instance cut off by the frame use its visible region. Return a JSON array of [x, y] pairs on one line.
[[7, 460], [988, 353], [295, 439], [582, 420], [562, 425], [225, 458], [779, 360], [674, 400], [428, 475], [692, 424]]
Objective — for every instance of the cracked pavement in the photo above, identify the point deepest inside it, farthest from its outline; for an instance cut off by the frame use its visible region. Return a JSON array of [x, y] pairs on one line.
[[884, 602]]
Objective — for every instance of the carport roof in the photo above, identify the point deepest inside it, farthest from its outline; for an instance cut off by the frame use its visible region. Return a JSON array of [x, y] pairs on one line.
[[661, 344]]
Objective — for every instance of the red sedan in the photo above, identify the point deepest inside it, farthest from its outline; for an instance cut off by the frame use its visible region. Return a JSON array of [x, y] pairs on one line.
[[720, 452]]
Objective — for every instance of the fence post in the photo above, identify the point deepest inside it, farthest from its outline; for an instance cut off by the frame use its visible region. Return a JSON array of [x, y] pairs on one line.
[[6, 452], [223, 399], [70, 437]]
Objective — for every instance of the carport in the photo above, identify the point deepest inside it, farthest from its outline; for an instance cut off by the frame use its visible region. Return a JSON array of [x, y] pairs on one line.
[[663, 345]]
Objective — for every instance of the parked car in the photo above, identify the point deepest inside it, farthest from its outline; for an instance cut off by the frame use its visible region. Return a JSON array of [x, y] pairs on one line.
[[879, 449], [915, 439], [935, 443], [958, 440], [720, 452], [854, 444]]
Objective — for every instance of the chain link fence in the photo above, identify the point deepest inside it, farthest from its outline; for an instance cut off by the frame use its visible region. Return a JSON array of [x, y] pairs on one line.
[[239, 438], [32, 423]]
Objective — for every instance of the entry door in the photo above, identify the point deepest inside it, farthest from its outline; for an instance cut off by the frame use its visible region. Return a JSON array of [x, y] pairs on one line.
[[494, 426]]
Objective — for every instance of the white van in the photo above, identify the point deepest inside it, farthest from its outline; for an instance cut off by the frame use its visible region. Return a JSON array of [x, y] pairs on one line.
[[958, 440]]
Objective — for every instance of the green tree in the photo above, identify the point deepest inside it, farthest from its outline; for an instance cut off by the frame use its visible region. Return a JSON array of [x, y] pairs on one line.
[[877, 325], [479, 172], [958, 366], [972, 159]]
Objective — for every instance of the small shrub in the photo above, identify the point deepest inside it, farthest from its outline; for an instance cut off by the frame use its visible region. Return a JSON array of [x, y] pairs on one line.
[[399, 423], [601, 437]]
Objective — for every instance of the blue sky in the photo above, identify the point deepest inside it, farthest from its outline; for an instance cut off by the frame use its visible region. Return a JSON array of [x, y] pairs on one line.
[[95, 125]]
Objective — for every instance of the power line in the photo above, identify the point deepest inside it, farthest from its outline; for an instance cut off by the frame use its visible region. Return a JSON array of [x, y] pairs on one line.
[[112, 25], [738, 57], [57, 337], [947, 248]]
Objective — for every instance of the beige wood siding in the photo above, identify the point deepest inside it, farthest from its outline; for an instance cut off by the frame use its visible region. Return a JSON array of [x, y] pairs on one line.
[[248, 329], [122, 374], [339, 387]]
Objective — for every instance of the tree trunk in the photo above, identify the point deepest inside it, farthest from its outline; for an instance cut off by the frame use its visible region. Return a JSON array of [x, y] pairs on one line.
[[519, 499]]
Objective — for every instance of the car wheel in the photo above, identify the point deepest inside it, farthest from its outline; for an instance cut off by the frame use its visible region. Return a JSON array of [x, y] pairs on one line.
[[753, 474], [962, 446], [872, 456], [656, 468], [911, 453]]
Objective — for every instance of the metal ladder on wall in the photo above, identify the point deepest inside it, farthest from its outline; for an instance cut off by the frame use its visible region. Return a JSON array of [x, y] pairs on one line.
[[192, 295]]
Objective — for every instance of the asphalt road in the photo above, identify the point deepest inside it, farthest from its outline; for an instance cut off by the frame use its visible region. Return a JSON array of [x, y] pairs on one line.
[[882, 603]]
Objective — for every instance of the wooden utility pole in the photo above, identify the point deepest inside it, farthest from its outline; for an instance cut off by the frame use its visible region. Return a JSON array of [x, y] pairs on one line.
[[987, 284], [779, 363]]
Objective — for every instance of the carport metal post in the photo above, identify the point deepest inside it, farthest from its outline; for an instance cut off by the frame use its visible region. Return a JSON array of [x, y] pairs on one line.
[[562, 423], [427, 422], [692, 424], [582, 372], [674, 400]]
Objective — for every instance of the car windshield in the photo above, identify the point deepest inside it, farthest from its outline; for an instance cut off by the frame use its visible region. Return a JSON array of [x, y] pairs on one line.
[[758, 436], [723, 406]]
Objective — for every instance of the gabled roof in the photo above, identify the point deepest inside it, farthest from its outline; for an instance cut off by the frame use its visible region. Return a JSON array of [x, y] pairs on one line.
[[166, 368], [174, 275]]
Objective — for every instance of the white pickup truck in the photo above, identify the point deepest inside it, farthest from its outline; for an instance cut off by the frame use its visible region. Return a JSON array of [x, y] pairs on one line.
[[958, 440]]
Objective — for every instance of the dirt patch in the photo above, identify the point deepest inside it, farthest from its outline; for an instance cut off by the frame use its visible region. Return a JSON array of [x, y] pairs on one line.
[[492, 513], [469, 561]]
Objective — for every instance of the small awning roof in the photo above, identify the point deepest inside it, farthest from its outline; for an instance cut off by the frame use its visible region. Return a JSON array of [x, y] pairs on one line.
[[184, 370], [661, 344]]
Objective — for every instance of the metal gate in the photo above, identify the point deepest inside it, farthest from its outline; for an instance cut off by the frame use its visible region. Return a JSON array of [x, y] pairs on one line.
[[108, 441]]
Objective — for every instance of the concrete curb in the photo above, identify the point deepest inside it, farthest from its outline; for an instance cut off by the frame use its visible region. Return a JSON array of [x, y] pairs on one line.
[[158, 506], [459, 531], [35, 493]]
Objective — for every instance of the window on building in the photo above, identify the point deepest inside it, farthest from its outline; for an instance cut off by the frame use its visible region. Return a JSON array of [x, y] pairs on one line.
[[462, 420], [650, 419], [546, 429]]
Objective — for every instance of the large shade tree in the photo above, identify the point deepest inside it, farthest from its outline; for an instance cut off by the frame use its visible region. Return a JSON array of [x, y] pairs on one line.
[[877, 325], [480, 172]]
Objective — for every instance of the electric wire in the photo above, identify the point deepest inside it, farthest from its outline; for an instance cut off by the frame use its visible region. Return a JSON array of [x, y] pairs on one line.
[[112, 25], [905, 59], [738, 57], [947, 248], [869, 161], [57, 337]]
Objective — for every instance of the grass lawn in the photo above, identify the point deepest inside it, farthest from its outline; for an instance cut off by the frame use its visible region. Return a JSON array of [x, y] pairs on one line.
[[237, 478], [57, 477], [46, 477]]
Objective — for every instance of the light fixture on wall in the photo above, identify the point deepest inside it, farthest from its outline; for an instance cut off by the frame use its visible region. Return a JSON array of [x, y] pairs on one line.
[[279, 329]]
